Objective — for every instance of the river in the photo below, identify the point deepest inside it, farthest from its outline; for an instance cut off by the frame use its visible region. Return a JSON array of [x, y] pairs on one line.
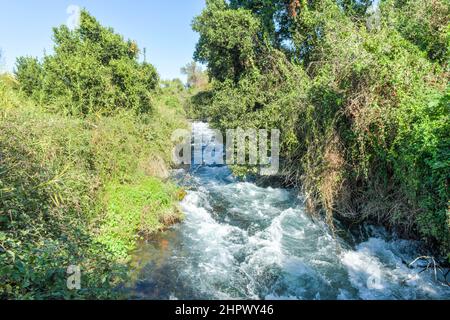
[[243, 241]]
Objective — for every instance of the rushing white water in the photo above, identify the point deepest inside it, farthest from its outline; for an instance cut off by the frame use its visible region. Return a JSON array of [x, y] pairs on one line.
[[243, 241]]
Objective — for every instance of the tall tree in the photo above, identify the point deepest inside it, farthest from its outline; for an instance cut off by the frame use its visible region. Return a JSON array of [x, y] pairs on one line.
[[196, 77]]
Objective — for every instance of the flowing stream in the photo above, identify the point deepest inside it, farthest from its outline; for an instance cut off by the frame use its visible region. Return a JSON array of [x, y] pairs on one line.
[[242, 241]]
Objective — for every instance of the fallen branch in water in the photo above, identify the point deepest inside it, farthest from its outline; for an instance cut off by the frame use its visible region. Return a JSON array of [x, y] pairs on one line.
[[431, 262]]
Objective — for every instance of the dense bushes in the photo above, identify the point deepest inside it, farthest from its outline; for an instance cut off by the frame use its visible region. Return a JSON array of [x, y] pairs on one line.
[[421, 154], [423, 23], [62, 183], [362, 106], [84, 153], [92, 70], [46, 204]]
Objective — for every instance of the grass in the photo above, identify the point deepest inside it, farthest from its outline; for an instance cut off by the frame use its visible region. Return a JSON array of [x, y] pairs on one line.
[[136, 210]]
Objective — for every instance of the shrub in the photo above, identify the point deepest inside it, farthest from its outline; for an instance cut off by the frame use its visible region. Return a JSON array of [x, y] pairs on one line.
[[93, 70], [29, 73]]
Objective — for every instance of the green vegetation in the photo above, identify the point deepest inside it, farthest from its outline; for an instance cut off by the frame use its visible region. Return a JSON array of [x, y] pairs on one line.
[[85, 147], [198, 90], [359, 93], [135, 210], [196, 78], [93, 70]]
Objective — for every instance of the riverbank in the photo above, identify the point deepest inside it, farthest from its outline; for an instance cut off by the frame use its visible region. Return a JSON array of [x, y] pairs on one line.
[[80, 191], [363, 110]]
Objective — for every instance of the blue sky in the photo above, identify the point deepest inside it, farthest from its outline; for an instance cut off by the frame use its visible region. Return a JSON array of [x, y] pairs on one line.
[[161, 26]]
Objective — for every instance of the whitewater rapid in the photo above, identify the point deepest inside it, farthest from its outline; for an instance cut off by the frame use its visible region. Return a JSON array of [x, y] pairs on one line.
[[243, 241]]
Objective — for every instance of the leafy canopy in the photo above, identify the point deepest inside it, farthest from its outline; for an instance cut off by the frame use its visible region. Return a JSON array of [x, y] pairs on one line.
[[92, 69]]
